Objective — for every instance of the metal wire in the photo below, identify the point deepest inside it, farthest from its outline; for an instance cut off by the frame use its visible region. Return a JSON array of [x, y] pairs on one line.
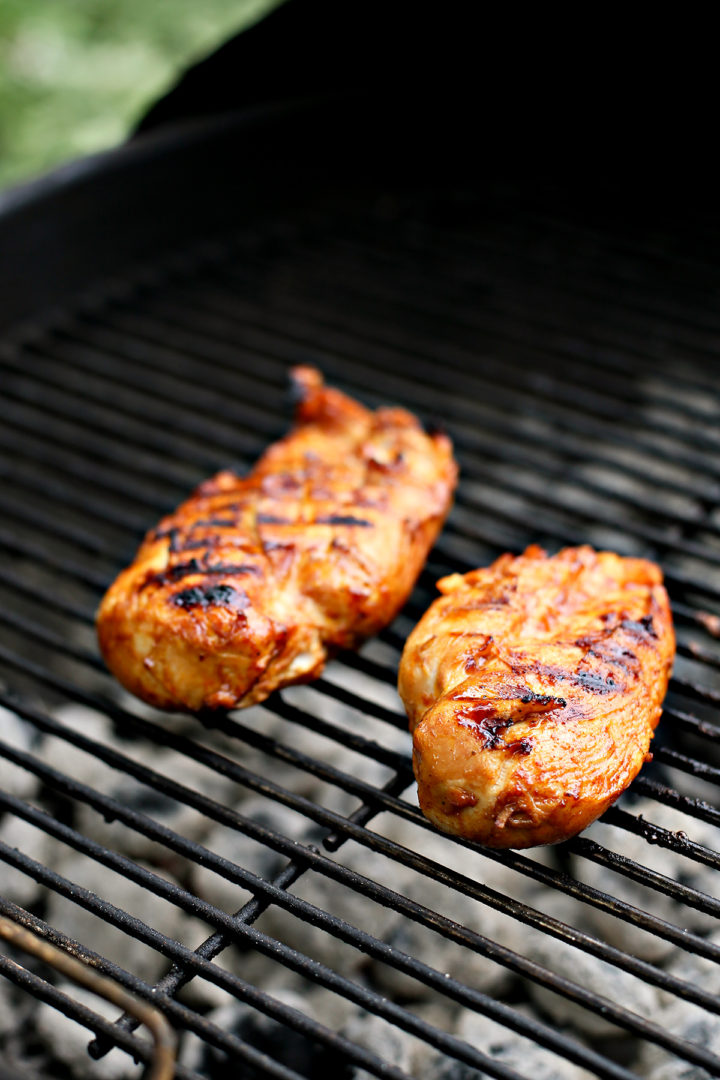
[[120, 405], [162, 1062]]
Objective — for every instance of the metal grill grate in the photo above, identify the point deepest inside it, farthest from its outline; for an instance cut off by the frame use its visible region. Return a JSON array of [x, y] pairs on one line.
[[569, 364]]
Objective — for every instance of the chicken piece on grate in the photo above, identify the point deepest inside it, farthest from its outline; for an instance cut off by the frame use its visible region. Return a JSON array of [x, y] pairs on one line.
[[533, 688], [254, 581]]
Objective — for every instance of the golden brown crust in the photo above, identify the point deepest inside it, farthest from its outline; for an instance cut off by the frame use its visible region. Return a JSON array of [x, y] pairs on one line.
[[253, 581], [533, 688]]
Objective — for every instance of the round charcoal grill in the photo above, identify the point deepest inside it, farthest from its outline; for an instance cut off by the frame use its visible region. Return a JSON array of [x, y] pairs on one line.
[[265, 878]]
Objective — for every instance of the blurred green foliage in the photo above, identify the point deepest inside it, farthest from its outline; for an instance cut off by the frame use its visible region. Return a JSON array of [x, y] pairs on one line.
[[75, 75]]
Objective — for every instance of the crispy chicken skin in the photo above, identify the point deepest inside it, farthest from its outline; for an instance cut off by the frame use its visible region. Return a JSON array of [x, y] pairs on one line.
[[253, 581], [533, 688]]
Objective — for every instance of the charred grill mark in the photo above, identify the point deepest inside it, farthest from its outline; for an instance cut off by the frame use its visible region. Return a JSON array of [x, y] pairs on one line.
[[193, 566], [587, 680], [215, 523], [612, 653], [232, 568], [170, 534], [551, 672], [643, 628], [489, 731], [596, 684], [198, 545], [624, 657], [341, 519], [592, 681], [180, 570], [611, 650], [520, 746], [547, 702], [205, 595], [598, 644], [482, 720], [519, 695], [273, 519]]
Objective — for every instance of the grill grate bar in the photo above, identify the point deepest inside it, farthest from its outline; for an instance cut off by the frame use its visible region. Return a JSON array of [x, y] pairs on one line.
[[685, 763], [181, 955], [428, 390], [67, 496], [81, 538], [217, 942], [56, 458], [149, 418], [249, 256], [28, 549], [344, 317], [290, 958], [254, 414], [657, 834], [196, 347], [176, 977], [566, 531], [364, 814], [456, 881], [670, 797], [693, 651], [696, 692], [190, 1019], [44, 991], [367, 377], [450, 987], [306, 720], [241, 1050], [441, 308], [638, 308], [693, 723], [690, 689], [103, 448], [89, 540], [590, 849], [139, 821], [561, 526], [568, 269], [695, 807], [256, 446], [82, 613], [492, 445]]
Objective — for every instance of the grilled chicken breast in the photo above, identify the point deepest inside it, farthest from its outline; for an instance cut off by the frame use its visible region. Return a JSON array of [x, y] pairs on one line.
[[533, 688], [251, 584]]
